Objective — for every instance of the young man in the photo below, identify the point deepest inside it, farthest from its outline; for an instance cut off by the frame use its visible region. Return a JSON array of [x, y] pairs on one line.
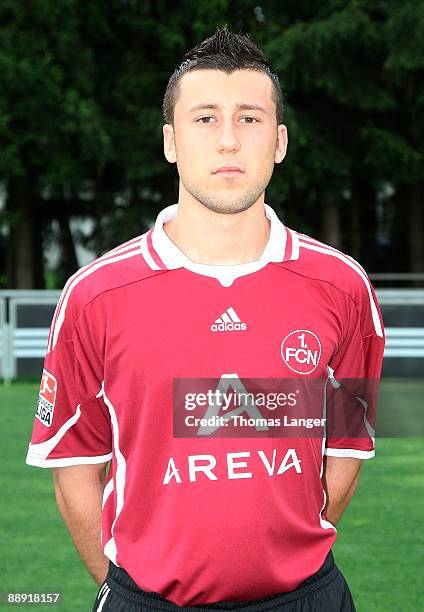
[[218, 289]]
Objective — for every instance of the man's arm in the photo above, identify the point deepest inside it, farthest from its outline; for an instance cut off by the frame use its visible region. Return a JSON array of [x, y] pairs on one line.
[[79, 493], [340, 479]]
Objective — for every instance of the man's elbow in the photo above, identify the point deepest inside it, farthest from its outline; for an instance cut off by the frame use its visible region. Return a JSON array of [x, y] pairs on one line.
[[77, 477]]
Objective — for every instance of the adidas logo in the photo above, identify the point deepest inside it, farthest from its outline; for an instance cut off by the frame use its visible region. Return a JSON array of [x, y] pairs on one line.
[[228, 321]]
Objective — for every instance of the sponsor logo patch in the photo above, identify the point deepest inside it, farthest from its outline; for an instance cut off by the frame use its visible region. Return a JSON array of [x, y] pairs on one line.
[[46, 399], [301, 351]]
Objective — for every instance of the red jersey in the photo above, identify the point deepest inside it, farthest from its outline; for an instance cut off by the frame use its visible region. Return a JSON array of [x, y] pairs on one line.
[[203, 519]]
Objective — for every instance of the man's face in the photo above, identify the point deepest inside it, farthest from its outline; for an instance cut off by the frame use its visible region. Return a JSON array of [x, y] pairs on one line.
[[225, 138]]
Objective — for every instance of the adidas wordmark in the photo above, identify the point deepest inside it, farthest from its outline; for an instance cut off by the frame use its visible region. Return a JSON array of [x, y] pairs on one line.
[[228, 321]]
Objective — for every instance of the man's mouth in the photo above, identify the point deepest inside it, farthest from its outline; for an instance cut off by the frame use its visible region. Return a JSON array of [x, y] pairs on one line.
[[229, 170]]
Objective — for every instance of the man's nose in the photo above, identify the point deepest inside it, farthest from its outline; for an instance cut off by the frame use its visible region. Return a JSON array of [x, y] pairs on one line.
[[228, 141]]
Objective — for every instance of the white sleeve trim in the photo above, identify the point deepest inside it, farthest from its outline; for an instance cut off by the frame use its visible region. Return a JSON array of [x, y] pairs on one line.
[[51, 463], [107, 491], [43, 449], [349, 452]]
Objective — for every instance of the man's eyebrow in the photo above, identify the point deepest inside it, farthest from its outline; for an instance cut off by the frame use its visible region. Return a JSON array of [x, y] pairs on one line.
[[239, 107], [202, 107], [247, 107]]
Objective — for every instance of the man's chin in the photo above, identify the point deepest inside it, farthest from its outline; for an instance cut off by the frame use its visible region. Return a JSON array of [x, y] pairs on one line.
[[227, 206], [227, 203]]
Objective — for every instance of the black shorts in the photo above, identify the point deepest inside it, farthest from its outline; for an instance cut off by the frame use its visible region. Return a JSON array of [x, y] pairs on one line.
[[325, 591]]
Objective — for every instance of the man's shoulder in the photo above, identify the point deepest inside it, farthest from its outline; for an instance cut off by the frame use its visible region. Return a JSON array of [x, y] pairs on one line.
[[117, 268], [120, 266], [340, 274], [321, 262]]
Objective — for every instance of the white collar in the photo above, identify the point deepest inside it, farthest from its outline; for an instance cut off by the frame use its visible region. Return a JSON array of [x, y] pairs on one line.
[[161, 253]]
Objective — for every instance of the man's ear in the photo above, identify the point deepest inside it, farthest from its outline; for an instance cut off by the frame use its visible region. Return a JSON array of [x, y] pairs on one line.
[[282, 140], [169, 143]]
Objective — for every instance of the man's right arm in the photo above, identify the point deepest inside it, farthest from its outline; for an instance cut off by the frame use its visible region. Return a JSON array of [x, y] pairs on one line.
[[79, 492]]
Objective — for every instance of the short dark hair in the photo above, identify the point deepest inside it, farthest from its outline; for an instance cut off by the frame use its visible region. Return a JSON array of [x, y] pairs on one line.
[[224, 51]]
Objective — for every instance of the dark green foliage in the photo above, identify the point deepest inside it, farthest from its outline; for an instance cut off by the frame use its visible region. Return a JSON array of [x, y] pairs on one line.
[[81, 85]]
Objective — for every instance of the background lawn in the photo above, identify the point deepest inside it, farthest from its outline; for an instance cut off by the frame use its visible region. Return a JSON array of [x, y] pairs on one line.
[[380, 545]]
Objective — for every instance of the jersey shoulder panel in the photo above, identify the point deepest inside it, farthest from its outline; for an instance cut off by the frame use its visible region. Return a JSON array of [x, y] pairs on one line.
[[116, 268], [319, 261]]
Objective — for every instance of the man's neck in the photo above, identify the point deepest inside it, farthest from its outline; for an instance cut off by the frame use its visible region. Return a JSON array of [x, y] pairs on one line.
[[207, 237]]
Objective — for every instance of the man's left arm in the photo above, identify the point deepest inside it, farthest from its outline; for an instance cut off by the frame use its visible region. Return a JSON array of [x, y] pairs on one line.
[[340, 479]]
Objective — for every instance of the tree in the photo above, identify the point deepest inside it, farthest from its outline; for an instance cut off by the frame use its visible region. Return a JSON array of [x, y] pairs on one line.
[[81, 86], [351, 72]]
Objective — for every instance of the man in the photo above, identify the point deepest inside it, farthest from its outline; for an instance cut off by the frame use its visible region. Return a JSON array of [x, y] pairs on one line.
[[219, 289]]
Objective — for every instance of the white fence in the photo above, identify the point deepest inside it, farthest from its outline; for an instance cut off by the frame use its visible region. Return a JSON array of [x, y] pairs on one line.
[[401, 340], [24, 326], [25, 319]]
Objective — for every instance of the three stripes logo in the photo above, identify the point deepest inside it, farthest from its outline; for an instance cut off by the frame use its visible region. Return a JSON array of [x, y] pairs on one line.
[[228, 321]]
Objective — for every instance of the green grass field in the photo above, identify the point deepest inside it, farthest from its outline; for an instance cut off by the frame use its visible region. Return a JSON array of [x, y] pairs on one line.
[[380, 545]]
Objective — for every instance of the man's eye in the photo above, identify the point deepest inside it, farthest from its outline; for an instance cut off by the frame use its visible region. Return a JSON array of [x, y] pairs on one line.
[[206, 119], [249, 119]]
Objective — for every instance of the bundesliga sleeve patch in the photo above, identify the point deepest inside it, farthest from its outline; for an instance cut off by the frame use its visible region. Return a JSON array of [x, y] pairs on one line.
[[46, 399]]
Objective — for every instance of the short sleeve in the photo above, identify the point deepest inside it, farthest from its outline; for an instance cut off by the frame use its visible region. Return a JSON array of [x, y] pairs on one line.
[[355, 371], [72, 424]]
